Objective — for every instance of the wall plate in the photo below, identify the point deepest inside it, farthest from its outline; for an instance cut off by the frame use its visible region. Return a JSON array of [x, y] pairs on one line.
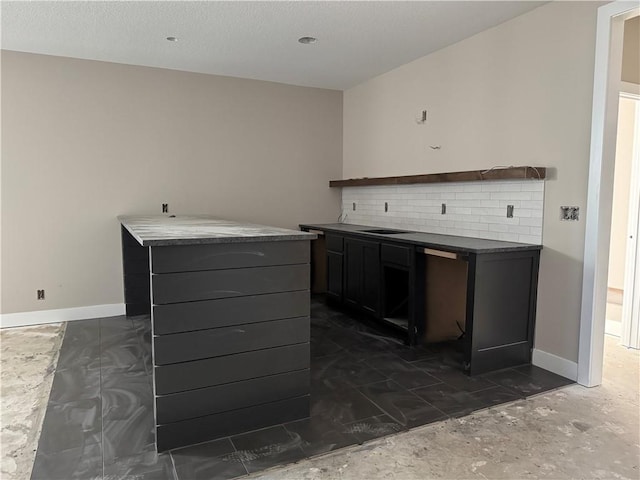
[[570, 214]]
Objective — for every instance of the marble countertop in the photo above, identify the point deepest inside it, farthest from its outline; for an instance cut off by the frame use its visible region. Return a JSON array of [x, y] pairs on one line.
[[161, 230], [450, 243]]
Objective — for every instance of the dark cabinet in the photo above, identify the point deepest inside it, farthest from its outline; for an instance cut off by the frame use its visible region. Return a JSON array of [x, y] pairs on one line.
[[485, 300], [334, 275], [335, 267], [362, 275], [371, 278]]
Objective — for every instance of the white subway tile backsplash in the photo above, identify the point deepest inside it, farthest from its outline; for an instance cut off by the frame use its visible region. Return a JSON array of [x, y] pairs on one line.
[[474, 209], [472, 226], [533, 186], [489, 203], [536, 231], [531, 221], [510, 187], [537, 196], [473, 196], [497, 227], [516, 203], [511, 196], [520, 229], [508, 237]]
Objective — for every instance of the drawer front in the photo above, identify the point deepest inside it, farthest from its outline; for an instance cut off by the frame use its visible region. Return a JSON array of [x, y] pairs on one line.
[[231, 368], [197, 430], [184, 347], [396, 254], [189, 258], [213, 284], [231, 396], [185, 317], [335, 243]]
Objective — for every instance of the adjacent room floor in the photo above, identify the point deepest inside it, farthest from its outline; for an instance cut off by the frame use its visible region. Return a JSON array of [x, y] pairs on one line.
[[28, 357], [365, 384]]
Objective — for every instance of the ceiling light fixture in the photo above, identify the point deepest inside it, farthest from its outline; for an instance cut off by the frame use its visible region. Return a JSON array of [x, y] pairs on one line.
[[172, 39], [307, 40]]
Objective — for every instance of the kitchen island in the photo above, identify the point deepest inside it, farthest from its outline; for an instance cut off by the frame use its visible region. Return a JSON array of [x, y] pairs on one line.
[[229, 307]]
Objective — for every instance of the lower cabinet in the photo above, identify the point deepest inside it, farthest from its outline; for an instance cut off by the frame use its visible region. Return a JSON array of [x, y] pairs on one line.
[[335, 270], [485, 301], [376, 278], [362, 275], [334, 275]]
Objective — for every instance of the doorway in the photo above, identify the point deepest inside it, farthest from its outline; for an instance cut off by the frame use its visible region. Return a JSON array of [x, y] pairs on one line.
[[607, 81], [622, 311]]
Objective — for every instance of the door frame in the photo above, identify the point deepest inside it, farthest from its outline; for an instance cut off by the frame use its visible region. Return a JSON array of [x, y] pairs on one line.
[[630, 330], [606, 88]]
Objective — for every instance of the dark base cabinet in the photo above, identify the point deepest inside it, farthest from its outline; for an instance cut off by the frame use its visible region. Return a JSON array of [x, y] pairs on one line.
[[335, 269], [501, 309], [374, 278], [230, 334], [484, 299], [362, 275]]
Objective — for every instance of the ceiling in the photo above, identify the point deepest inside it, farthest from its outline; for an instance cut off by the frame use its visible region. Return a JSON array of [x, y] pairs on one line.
[[258, 40]]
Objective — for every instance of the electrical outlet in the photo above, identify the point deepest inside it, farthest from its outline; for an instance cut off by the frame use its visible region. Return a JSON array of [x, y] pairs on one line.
[[570, 214], [165, 208], [40, 294], [443, 211], [509, 211]]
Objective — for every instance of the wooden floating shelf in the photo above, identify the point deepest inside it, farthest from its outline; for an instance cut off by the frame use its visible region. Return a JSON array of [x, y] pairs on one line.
[[510, 173]]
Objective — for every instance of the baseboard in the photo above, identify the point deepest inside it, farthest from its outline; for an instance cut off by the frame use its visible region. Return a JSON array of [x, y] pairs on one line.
[[553, 363], [39, 317]]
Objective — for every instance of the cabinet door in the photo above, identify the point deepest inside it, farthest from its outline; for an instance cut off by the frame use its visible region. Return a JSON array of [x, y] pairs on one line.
[[353, 272], [334, 275], [370, 300], [362, 274]]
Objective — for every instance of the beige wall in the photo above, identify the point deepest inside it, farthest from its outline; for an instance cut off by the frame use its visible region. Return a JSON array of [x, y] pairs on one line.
[[517, 94], [621, 183], [84, 141], [631, 51]]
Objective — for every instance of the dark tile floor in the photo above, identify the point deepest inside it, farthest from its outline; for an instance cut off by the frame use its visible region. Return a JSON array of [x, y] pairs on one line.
[[364, 384]]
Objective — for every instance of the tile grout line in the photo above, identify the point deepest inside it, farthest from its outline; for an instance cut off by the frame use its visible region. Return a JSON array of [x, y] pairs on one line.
[[235, 449], [101, 398], [173, 464], [447, 416], [382, 409]]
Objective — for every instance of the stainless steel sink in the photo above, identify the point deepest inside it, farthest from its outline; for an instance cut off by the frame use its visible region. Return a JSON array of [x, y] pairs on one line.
[[384, 231]]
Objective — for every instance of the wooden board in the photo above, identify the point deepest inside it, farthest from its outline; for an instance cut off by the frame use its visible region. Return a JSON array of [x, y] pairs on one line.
[[446, 298], [511, 173]]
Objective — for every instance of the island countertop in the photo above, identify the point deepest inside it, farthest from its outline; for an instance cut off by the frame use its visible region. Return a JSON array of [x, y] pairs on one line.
[[163, 230], [450, 243]]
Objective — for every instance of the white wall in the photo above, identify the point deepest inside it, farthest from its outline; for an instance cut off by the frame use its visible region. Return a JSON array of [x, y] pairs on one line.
[[84, 141], [621, 184], [517, 94]]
